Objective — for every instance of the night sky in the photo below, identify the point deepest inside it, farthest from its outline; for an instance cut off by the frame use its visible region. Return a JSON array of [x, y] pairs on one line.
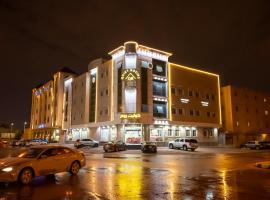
[[38, 37]]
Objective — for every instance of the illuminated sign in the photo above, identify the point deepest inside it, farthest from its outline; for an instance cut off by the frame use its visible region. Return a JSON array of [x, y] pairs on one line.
[[130, 116], [130, 75]]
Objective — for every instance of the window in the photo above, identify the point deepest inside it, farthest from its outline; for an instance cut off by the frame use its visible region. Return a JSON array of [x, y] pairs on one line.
[[210, 131], [107, 92], [190, 93], [208, 114], [197, 112], [48, 119], [213, 97], [264, 100], [247, 110], [194, 133], [82, 84], [235, 94], [207, 96], [180, 91], [169, 132], [81, 116], [197, 94], [173, 90], [173, 111], [236, 108], [159, 67], [100, 112], [101, 75], [187, 133], [181, 111], [159, 88], [255, 97], [191, 112], [237, 123], [159, 109], [106, 111], [101, 93], [266, 112]]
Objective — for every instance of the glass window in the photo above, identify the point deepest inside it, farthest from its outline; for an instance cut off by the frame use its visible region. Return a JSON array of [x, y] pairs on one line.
[[130, 100], [159, 67], [173, 110], [159, 109], [130, 61], [187, 133], [159, 88], [194, 133]]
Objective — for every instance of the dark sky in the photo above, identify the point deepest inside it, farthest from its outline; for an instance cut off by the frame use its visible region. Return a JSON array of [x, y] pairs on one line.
[[37, 37]]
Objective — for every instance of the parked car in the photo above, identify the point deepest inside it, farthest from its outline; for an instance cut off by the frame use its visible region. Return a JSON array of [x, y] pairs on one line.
[[114, 146], [149, 147], [265, 144], [38, 142], [252, 145], [184, 143], [256, 145], [39, 161], [86, 142], [3, 144]]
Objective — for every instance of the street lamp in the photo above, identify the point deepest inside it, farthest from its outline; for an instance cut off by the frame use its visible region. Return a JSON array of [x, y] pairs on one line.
[[25, 123], [11, 127]]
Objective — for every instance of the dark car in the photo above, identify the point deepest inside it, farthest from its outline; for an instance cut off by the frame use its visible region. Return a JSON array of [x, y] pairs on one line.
[[149, 147], [265, 144], [114, 146]]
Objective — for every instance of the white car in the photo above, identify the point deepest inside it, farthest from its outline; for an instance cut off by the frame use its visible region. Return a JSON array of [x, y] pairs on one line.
[[39, 161], [86, 142], [38, 142], [184, 143]]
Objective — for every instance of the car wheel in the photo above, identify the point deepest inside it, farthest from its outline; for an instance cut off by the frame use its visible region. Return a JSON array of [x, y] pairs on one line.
[[171, 146], [26, 176], [185, 148], [74, 168], [96, 145]]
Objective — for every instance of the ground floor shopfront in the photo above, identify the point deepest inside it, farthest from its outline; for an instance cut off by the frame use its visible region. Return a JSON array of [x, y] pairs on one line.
[[50, 134], [137, 133]]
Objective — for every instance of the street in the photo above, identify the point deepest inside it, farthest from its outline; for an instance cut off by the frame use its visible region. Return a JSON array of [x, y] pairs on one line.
[[208, 173]]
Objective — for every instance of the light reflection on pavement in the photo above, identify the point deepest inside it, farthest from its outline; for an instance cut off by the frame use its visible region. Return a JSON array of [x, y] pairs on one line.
[[180, 176]]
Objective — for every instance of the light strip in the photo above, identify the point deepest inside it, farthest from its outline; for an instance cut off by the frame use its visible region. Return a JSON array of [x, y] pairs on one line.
[[184, 100], [219, 102], [152, 49], [112, 93], [96, 94], [169, 91], [195, 70]]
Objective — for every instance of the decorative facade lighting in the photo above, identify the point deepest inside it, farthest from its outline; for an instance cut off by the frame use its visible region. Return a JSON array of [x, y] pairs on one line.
[[160, 99], [163, 122], [204, 103], [130, 75], [184, 100], [130, 115], [159, 78]]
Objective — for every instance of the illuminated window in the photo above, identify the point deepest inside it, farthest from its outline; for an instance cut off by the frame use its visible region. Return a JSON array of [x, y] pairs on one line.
[[159, 88], [237, 123], [248, 124], [264, 100], [266, 112], [130, 61]]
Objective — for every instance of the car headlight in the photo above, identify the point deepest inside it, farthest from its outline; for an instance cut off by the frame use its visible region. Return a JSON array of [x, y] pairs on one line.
[[7, 169]]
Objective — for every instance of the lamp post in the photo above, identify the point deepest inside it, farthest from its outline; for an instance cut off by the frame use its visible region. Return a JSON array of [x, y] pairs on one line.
[[11, 127], [24, 124]]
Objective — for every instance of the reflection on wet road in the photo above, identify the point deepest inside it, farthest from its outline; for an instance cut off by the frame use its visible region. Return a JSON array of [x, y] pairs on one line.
[[185, 176]]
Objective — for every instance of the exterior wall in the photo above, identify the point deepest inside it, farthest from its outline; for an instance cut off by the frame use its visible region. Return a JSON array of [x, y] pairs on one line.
[[246, 115], [80, 100], [194, 87]]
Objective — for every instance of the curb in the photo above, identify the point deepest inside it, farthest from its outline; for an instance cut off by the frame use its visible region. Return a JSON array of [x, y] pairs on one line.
[[263, 165]]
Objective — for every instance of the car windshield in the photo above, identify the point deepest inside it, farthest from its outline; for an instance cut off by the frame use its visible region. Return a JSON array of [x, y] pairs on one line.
[[28, 153]]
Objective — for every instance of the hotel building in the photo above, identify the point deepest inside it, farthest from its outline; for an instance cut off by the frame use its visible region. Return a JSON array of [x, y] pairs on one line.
[[245, 115], [135, 96]]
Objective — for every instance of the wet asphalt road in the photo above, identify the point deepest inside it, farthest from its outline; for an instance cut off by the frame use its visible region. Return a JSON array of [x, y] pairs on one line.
[[170, 174]]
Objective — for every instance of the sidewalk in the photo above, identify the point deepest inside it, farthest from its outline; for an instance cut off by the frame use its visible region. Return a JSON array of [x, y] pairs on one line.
[[263, 165]]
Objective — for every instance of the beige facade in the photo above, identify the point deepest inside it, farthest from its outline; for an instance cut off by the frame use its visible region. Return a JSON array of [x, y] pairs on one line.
[[245, 115], [47, 107], [135, 96]]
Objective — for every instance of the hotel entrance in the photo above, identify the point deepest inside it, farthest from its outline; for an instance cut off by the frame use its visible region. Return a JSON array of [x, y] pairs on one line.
[[132, 134]]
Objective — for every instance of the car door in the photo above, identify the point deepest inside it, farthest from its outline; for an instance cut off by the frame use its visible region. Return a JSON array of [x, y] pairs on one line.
[[46, 162], [63, 159], [176, 143]]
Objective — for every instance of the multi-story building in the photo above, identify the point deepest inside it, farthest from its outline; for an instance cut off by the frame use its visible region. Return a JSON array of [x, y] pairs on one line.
[[139, 95], [47, 106], [245, 115]]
